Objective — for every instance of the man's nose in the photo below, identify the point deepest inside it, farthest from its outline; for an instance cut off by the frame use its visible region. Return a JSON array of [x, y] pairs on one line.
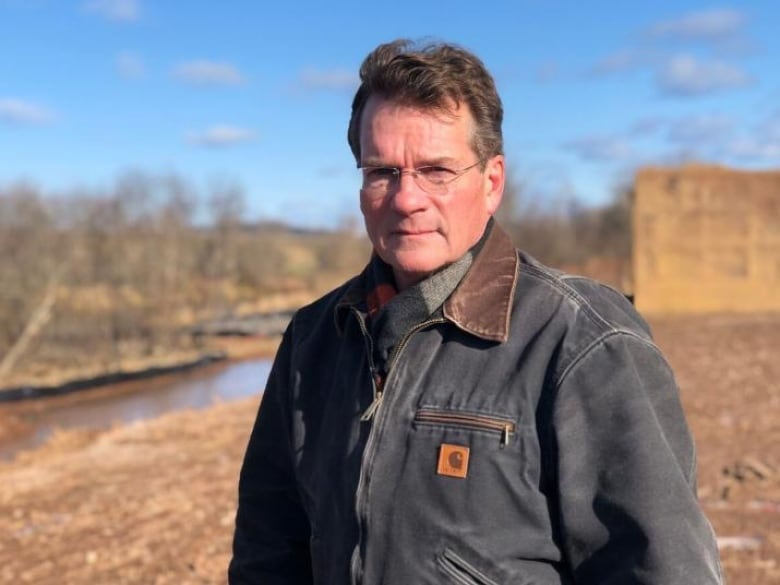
[[408, 195]]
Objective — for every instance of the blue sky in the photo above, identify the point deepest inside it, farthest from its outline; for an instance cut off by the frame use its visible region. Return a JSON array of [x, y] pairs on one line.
[[259, 92]]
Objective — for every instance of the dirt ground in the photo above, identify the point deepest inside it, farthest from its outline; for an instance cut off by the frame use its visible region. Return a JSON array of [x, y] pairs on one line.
[[728, 368], [153, 502]]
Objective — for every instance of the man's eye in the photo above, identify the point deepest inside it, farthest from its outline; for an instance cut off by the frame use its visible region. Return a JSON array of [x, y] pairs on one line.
[[379, 173], [436, 174]]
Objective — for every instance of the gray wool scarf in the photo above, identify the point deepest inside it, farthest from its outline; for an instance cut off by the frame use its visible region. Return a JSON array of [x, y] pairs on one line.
[[416, 304]]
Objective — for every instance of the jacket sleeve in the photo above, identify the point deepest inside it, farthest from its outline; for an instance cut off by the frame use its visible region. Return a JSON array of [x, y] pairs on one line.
[[271, 540], [627, 471]]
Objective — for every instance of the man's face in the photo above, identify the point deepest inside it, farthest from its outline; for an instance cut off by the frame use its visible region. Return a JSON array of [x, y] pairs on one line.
[[413, 231]]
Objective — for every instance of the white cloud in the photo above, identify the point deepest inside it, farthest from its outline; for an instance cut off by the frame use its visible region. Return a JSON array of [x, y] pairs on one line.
[[600, 148], [16, 111], [755, 149], [221, 136], [204, 72], [646, 126], [115, 10], [130, 66], [335, 79], [720, 30], [763, 145], [684, 75], [708, 130], [711, 25], [618, 62], [771, 127]]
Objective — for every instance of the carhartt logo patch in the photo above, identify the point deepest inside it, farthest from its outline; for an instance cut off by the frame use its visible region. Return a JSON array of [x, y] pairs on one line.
[[453, 460]]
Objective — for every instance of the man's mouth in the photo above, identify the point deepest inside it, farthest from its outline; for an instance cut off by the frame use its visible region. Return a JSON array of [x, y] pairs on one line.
[[414, 232]]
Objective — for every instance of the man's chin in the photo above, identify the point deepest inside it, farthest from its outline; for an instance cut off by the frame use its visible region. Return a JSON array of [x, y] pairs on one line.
[[405, 241], [414, 268], [413, 263]]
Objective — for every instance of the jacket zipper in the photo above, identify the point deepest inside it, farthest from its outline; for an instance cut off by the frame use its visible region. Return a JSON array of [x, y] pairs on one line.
[[378, 381], [461, 570], [467, 420], [377, 393], [373, 412]]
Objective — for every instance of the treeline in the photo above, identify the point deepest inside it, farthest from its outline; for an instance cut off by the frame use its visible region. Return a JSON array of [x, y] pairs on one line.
[[565, 233], [90, 277]]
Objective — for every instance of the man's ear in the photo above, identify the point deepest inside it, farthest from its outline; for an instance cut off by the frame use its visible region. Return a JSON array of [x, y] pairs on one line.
[[495, 177]]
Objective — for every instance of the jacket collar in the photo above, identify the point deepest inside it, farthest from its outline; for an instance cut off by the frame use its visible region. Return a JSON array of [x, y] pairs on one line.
[[481, 304]]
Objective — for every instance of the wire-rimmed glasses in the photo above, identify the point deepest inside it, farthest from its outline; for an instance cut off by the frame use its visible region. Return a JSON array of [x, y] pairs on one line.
[[377, 182]]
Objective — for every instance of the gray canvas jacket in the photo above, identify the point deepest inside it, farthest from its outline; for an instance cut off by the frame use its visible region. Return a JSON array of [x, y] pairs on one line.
[[532, 435]]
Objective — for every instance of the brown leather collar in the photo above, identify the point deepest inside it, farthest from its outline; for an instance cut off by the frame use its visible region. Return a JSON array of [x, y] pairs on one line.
[[481, 304]]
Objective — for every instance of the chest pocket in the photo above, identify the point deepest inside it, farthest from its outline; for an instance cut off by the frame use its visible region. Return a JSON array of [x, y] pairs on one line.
[[462, 422], [490, 444], [503, 428]]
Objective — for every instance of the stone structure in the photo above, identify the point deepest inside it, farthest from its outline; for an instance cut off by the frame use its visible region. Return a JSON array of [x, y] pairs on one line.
[[706, 239]]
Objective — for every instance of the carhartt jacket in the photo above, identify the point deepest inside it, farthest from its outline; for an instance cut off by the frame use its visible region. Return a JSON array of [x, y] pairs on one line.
[[531, 435]]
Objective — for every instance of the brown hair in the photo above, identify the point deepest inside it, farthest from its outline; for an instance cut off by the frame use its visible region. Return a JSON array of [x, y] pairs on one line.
[[431, 76]]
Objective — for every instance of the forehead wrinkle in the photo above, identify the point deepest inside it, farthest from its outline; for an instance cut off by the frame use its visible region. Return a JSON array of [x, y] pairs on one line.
[[429, 146], [422, 145], [430, 161]]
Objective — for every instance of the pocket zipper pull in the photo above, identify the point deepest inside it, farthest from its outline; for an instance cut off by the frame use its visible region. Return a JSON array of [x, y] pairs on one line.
[[372, 408], [505, 435]]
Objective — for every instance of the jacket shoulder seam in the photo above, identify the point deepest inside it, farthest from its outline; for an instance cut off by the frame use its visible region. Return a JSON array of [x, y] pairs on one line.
[[599, 341], [565, 277], [557, 282]]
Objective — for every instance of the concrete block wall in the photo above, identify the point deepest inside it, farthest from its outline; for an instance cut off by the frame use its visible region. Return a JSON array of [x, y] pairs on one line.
[[706, 239]]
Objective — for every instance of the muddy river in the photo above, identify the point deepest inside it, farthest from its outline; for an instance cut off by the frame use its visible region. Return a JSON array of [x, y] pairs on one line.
[[130, 401]]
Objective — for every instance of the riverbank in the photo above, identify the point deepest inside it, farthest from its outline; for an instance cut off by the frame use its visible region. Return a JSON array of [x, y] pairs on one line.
[[148, 370], [15, 414], [154, 501], [49, 380]]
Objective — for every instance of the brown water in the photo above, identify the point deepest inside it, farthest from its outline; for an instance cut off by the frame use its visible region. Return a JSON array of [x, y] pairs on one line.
[[127, 402]]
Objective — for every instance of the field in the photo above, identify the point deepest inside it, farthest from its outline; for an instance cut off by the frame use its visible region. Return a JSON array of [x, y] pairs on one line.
[[154, 502]]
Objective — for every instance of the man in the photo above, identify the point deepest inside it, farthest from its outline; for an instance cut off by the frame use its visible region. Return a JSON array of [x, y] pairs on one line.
[[459, 413]]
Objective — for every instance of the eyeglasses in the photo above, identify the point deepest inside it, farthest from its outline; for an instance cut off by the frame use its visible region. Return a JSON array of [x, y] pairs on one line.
[[433, 179]]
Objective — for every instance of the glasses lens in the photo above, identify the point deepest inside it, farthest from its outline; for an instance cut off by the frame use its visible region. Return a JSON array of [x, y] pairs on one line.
[[435, 179], [377, 180]]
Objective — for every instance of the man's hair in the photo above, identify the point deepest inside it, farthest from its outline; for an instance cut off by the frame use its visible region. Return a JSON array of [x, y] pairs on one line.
[[431, 77]]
